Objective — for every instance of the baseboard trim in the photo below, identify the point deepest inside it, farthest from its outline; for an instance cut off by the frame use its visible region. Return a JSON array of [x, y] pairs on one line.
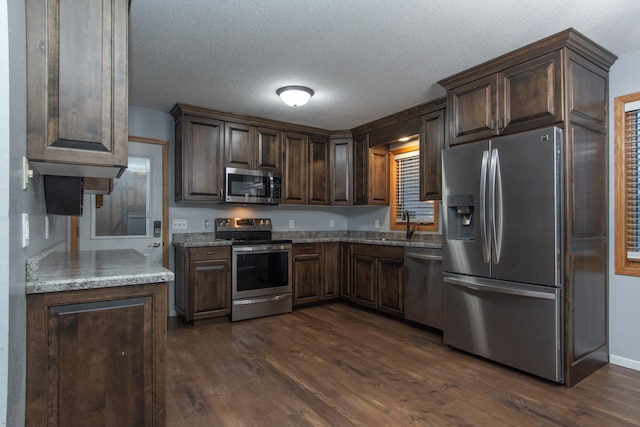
[[624, 362]]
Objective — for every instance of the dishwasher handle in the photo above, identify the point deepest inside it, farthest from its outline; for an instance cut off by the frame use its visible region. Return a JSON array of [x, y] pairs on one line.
[[424, 256]]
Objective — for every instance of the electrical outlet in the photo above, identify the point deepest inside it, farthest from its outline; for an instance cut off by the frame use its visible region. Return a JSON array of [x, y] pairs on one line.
[[179, 224], [291, 223], [332, 223], [377, 225], [206, 224]]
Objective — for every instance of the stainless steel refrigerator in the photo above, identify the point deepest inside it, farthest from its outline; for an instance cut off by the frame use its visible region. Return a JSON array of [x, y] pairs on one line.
[[502, 249]]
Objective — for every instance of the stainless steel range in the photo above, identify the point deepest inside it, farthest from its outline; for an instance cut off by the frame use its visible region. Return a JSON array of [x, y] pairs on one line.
[[260, 268]]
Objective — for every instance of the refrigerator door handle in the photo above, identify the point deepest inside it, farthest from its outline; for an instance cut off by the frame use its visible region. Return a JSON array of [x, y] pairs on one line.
[[484, 227], [496, 204], [481, 287]]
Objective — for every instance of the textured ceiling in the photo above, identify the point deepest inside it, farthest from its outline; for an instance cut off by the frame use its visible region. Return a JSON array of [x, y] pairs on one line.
[[365, 59]]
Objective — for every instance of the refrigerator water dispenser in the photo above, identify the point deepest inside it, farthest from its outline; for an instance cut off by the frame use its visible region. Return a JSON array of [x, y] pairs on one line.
[[460, 218]]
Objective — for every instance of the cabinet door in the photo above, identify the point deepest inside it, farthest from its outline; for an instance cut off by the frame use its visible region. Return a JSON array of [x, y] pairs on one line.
[[199, 161], [345, 272], [307, 273], [332, 270], [360, 169], [378, 176], [341, 164], [238, 145], [390, 280], [531, 94], [210, 287], [269, 144], [318, 171], [96, 357], [77, 94], [432, 139], [295, 168], [364, 279], [472, 110]]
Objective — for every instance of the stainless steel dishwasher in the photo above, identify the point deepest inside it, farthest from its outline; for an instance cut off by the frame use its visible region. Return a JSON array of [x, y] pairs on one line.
[[423, 288]]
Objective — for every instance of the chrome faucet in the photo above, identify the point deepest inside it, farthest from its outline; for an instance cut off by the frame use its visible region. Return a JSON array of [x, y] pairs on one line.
[[405, 216]]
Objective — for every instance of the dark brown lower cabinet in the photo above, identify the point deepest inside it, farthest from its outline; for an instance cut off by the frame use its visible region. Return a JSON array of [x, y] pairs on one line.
[[97, 357], [332, 270], [203, 282], [307, 272], [346, 292], [377, 277], [316, 272]]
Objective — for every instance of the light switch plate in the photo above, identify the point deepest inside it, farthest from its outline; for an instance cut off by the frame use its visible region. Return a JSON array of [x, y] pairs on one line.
[[25, 230]]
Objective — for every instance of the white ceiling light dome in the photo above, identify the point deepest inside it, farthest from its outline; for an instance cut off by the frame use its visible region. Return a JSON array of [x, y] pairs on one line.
[[295, 96]]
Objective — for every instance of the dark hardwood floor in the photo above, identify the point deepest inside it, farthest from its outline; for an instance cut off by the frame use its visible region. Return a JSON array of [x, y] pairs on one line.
[[337, 365]]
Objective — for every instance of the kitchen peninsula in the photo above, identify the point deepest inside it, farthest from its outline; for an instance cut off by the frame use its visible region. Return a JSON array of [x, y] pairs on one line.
[[96, 338]]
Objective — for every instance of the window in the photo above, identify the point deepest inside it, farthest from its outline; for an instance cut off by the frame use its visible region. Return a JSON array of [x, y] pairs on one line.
[[406, 191], [627, 177]]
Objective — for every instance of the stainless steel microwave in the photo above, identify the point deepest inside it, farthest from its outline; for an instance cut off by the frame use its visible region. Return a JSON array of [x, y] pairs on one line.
[[253, 186]]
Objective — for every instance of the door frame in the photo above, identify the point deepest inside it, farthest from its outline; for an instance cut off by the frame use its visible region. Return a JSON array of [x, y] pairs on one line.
[[75, 221]]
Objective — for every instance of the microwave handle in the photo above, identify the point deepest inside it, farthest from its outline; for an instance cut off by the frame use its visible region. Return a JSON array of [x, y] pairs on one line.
[[272, 187]]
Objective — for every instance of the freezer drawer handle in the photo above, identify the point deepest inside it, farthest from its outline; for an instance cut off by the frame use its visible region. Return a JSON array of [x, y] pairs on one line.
[[500, 290], [427, 257]]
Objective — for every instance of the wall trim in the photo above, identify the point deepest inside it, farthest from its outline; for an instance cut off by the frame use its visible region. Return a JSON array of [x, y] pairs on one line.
[[624, 362]]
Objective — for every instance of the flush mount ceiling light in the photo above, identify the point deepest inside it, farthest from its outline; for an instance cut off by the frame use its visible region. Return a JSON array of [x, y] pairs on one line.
[[295, 96]]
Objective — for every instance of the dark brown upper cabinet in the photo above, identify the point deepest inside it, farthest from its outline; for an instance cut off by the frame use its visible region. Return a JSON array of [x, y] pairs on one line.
[[528, 88], [432, 141], [521, 97], [361, 169], [294, 175], [252, 147], [77, 94], [341, 170], [318, 167], [199, 157]]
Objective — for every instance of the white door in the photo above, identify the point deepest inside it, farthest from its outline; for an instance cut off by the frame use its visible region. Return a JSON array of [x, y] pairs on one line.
[[131, 216]]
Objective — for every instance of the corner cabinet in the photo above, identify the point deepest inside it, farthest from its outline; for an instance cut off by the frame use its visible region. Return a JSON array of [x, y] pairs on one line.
[[77, 93], [203, 282], [371, 171], [432, 141], [340, 171], [97, 357], [561, 80], [199, 167]]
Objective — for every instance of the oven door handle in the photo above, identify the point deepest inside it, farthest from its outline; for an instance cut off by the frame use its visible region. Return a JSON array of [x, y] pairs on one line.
[[262, 248], [258, 300]]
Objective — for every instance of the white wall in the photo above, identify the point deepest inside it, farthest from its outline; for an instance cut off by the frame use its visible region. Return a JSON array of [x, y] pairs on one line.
[[30, 201], [624, 291], [4, 210]]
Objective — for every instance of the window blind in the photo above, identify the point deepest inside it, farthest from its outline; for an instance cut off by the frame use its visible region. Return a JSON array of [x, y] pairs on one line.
[[632, 174], [408, 190]]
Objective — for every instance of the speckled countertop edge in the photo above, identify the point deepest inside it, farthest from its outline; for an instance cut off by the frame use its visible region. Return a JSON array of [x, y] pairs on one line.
[[192, 240], [57, 271]]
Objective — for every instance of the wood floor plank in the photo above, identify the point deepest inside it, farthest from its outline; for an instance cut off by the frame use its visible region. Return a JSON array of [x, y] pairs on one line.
[[338, 365]]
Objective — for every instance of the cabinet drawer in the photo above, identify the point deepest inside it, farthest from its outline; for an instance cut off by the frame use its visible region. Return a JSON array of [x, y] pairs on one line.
[[379, 251], [209, 252], [307, 248]]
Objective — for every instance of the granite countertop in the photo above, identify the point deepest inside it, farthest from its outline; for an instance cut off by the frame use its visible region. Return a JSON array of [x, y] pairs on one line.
[[57, 271], [193, 240]]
